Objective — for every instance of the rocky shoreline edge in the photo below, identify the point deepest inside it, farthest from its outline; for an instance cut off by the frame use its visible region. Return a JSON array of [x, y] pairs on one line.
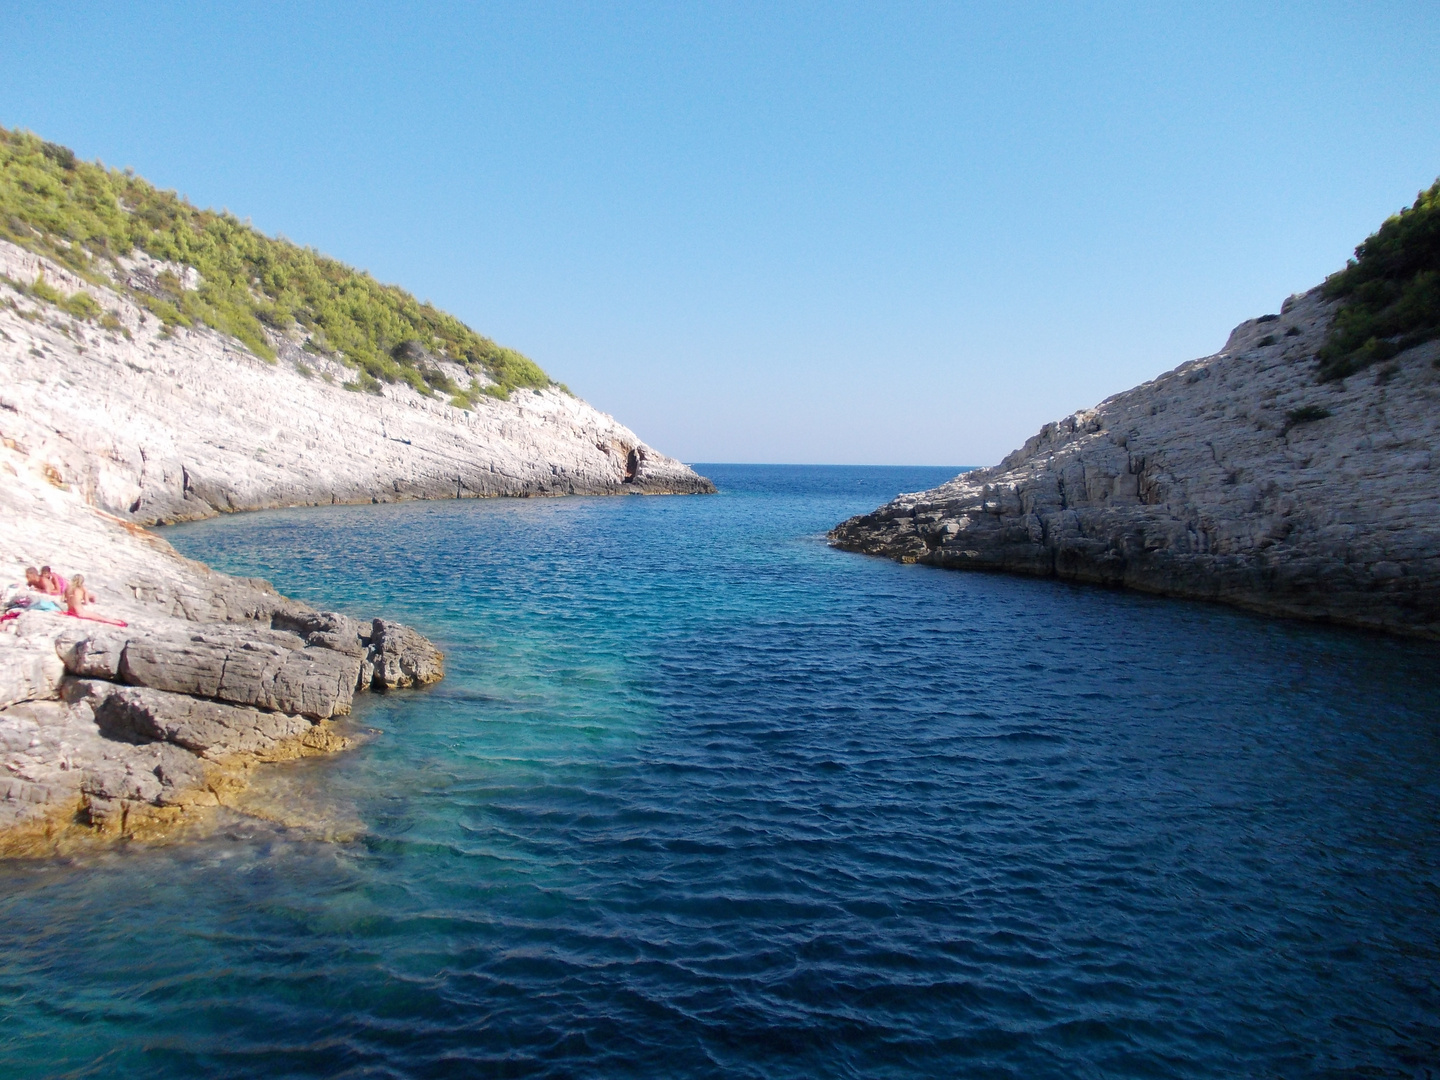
[[117, 733], [111, 732], [1238, 477]]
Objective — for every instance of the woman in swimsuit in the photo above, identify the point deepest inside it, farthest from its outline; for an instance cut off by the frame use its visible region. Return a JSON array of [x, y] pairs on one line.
[[77, 596]]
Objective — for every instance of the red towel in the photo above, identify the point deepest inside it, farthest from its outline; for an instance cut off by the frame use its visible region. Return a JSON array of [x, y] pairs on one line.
[[96, 618]]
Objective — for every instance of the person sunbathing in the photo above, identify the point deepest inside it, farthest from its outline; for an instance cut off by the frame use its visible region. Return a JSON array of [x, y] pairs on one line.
[[52, 583], [78, 598], [18, 599], [77, 595], [30, 595]]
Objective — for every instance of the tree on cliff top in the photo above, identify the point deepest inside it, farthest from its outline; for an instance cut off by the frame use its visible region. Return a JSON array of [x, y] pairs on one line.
[[85, 216], [1391, 291]]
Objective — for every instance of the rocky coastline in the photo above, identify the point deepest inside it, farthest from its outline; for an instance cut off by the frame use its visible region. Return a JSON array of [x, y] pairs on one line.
[[159, 424], [136, 731], [1238, 477]]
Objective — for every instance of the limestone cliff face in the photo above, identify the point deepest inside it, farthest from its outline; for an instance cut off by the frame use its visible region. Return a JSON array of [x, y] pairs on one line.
[[1236, 477], [161, 427]]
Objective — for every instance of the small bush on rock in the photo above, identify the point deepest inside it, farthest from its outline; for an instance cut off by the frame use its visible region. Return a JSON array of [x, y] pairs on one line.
[[1306, 414], [82, 305], [43, 290]]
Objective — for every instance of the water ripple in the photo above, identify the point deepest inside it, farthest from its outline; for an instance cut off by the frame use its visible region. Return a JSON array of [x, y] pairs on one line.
[[702, 797]]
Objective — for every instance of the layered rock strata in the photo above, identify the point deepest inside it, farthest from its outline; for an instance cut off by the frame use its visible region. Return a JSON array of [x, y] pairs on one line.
[[160, 425], [1237, 477]]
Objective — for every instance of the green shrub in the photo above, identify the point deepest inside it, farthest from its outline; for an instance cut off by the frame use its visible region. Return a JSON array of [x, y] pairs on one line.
[[43, 290], [1265, 342], [82, 305], [438, 380], [1307, 413], [80, 213], [1391, 291]]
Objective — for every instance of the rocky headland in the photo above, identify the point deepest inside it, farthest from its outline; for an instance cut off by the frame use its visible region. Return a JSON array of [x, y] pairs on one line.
[[1241, 477]]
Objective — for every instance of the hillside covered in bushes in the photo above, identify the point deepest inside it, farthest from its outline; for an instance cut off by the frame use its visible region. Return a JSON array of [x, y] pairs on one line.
[[87, 217], [1391, 291]]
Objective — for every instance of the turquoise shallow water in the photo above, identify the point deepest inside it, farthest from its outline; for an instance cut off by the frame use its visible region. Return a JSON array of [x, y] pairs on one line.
[[703, 797]]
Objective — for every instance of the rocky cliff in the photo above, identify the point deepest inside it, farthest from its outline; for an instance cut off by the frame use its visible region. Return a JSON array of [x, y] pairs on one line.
[[1239, 477], [111, 420]]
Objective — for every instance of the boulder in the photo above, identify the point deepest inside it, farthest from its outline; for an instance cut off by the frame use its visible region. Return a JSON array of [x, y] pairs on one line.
[[314, 682], [402, 657], [325, 629], [30, 670], [209, 729]]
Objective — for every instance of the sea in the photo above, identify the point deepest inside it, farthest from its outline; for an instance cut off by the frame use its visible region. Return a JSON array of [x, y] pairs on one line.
[[701, 796]]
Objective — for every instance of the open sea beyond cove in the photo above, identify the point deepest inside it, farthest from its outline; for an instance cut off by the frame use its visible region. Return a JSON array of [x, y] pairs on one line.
[[700, 796]]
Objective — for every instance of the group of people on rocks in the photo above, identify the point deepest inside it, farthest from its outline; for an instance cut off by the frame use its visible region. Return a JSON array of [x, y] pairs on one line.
[[46, 590]]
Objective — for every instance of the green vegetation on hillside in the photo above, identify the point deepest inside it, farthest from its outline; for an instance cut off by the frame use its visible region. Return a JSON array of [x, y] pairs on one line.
[[84, 215], [1391, 289]]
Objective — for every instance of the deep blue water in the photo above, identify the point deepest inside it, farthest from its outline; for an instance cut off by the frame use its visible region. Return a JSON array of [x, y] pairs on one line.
[[701, 796]]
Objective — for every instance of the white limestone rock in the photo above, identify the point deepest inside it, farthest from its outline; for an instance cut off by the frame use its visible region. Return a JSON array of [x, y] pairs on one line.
[[156, 427], [104, 431], [1237, 477]]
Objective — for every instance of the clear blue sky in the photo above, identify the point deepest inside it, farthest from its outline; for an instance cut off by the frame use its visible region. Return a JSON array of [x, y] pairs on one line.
[[888, 233]]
